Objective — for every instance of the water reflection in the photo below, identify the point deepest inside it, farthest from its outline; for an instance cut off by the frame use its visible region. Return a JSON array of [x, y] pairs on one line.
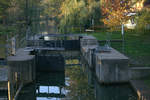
[[49, 86], [110, 92], [76, 83], [79, 87], [3, 95], [114, 92]]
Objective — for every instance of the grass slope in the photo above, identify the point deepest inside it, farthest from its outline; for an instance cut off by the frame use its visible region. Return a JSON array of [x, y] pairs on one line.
[[137, 46]]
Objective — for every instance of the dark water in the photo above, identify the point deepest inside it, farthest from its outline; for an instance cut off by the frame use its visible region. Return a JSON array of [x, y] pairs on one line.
[[111, 92], [76, 83]]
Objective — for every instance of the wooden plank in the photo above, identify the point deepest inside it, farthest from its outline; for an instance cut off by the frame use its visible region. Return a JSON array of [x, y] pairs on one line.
[[63, 35]]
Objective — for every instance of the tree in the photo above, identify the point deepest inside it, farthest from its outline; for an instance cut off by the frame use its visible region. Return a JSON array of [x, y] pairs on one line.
[[115, 12], [14, 13], [4, 5], [71, 14], [51, 7], [143, 22], [78, 12]]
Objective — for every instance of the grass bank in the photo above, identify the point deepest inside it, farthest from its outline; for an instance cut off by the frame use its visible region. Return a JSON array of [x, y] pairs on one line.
[[136, 47]]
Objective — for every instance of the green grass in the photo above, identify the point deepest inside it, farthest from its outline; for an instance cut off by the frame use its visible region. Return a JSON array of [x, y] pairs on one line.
[[137, 46], [103, 35]]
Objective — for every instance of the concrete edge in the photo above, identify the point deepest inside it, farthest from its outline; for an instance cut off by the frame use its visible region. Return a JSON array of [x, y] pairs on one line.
[[141, 89]]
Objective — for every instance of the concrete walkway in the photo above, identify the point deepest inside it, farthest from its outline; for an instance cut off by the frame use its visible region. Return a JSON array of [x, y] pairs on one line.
[[141, 89]]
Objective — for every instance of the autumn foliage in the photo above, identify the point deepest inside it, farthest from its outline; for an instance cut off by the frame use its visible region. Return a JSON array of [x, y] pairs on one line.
[[115, 12]]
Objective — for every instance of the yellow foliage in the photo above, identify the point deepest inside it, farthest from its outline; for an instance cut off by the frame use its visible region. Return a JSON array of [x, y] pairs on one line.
[[115, 12]]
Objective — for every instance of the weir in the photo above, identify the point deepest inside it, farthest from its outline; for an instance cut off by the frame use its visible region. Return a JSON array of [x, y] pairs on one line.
[[49, 55]]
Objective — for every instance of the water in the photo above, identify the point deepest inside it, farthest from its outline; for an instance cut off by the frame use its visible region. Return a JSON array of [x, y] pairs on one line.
[[76, 83], [110, 92]]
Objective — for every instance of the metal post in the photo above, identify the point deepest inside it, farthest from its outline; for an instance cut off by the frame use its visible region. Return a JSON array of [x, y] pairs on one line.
[[123, 39], [60, 89], [48, 90], [108, 42], [13, 43], [6, 46], [27, 32], [93, 24]]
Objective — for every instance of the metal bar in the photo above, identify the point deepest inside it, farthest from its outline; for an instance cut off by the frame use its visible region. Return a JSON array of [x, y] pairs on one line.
[[110, 41], [62, 35], [18, 91], [48, 48], [73, 64]]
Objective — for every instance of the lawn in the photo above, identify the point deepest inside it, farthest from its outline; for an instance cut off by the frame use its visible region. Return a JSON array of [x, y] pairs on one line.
[[137, 46]]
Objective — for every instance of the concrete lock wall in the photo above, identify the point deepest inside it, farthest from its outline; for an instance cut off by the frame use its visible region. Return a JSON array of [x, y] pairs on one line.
[[31, 43], [112, 71], [88, 43], [139, 72], [87, 52], [110, 67], [21, 71]]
